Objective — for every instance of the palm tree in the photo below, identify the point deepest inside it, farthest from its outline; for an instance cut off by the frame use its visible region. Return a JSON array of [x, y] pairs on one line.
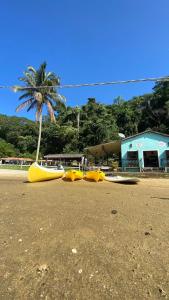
[[73, 114], [39, 91], [77, 112]]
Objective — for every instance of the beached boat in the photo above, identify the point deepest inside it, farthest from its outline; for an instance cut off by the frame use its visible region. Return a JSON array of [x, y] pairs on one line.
[[74, 175], [39, 173], [120, 179], [95, 175]]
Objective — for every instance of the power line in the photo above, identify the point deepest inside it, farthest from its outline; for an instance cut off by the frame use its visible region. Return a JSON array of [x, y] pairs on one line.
[[114, 82], [16, 88]]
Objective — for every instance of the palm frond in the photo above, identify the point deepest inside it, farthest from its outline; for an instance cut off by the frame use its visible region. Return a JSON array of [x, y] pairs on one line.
[[33, 104], [30, 79], [40, 74], [22, 79], [57, 97], [31, 69], [26, 95], [50, 111], [48, 75], [24, 104], [51, 77]]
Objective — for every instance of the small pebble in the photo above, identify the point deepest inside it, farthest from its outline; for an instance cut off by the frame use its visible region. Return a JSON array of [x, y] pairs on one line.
[[147, 233], [20, 240], [80, 271], [43, 268], [114, 211], [74, 251], [162, 292]]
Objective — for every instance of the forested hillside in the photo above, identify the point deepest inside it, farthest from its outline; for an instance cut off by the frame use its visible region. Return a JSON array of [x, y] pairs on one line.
[[91, 124]]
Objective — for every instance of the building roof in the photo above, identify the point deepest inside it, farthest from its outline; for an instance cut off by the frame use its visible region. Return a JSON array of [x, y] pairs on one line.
[[16, 158], [146, 131], [105, 149], [70, 156], [115, 146]]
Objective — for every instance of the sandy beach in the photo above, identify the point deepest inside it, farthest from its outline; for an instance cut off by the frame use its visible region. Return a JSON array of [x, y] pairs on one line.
[[83, 240], [13, 173]]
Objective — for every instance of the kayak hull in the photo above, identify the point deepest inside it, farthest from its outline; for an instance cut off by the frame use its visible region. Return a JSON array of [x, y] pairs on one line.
[[38, 173], [120, 179], [73, 175], [95, 175]]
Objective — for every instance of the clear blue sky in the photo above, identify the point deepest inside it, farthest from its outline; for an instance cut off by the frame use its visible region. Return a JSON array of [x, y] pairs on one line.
[[84, 41]]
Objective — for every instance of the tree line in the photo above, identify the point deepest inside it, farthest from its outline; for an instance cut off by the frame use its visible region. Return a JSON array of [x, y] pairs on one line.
[[93, 123]]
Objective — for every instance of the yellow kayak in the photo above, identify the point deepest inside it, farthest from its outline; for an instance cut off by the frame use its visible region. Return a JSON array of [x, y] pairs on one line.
[[95, 175], [73, 175], [39, 173]]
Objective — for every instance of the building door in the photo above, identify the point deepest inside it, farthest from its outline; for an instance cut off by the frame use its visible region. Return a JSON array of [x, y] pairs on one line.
[[166, 162], [167, 154], [151, 159], [132, 159]]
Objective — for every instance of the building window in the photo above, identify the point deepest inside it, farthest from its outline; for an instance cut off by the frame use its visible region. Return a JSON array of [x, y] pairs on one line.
[[167, 154], [132, 155]]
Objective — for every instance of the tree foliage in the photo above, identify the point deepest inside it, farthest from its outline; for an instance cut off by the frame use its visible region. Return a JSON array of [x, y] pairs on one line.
[[93, 123], [6, 149]]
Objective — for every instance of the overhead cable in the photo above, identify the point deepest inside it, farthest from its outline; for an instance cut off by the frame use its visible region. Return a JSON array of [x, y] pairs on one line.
[[16, 88]]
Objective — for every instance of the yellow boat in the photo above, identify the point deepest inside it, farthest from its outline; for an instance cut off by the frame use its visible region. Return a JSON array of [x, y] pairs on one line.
[[95, 175], [39, 173], [73, 175]]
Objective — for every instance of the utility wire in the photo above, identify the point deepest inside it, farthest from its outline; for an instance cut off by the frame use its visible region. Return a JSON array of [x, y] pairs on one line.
[[19, 88], [114, 82]]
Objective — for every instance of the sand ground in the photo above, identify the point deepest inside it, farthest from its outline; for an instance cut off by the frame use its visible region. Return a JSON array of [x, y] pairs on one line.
[[60, 240]]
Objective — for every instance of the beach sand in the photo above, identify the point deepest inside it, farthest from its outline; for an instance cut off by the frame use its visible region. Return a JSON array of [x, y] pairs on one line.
[[83, 240]]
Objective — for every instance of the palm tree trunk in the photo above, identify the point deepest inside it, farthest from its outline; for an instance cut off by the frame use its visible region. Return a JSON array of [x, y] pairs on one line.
[[78, 121], [39, 138]]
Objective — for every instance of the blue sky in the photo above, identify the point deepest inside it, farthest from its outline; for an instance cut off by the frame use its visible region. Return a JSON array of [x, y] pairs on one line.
[[84, 41]]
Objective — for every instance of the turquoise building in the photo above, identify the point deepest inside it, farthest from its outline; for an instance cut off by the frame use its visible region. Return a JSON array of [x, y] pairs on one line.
[[146, 150]]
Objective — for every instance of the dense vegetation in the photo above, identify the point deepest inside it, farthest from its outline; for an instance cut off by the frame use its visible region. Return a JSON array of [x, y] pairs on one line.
[[91, 124]]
